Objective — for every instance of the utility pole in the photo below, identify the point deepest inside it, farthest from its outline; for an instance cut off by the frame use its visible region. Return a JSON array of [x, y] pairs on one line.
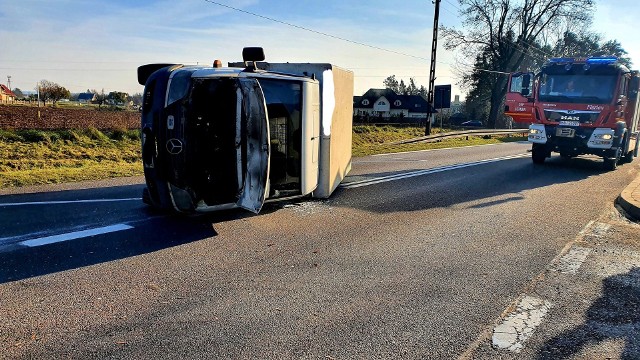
[[432, 71]]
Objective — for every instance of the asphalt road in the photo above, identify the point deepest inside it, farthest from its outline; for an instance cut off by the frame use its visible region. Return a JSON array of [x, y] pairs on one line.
[[414, 256]]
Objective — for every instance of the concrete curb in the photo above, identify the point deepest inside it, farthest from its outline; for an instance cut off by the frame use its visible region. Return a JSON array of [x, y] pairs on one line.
[[629, 200]]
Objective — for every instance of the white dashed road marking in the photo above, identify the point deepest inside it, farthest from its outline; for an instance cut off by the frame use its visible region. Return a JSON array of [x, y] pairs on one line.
[[382, 179], [516, 328], [68, 202], [571, 261], [599, 229], [75, 235]]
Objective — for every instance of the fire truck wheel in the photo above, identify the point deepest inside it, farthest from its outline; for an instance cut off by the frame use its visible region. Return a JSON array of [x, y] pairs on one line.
[[538, 154], [628, 157], [611, 163]]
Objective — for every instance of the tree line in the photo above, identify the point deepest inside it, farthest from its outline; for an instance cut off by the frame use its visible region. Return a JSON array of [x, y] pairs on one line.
[[504, 36], [400, 88], [53, 92]]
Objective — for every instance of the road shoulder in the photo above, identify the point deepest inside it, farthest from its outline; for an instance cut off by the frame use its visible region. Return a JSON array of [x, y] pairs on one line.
[[629, 199], [590, 295]]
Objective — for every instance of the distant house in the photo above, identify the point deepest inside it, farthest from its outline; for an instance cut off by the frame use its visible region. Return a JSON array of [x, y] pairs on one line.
[[386, 104], [6, 94], [86, 97]]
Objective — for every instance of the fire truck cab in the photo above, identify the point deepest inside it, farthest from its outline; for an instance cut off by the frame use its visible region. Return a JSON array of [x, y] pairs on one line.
[[578, 106]]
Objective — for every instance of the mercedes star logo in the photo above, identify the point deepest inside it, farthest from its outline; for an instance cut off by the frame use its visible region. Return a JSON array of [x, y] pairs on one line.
[[174, 146]]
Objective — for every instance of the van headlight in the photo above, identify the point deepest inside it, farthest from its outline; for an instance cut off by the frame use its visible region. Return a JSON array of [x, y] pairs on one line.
[[534, 131], [604, 136]]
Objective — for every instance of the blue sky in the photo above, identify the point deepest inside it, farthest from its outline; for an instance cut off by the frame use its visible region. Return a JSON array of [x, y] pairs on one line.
[[84, 44]]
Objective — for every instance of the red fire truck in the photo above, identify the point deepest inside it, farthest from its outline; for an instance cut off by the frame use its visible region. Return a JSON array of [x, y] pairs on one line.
[[578, 106]]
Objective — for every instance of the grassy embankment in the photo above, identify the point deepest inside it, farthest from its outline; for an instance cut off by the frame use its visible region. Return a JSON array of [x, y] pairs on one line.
[[369, 140], [31, 157]]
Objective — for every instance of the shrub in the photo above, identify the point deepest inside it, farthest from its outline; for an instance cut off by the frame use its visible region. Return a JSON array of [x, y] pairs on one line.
[[33, 135], [133, 134], [9, 136], [96, 134], [70, 135], [118, 134]]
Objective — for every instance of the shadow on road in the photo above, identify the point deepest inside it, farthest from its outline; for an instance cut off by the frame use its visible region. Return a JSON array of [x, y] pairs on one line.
[[614, 316], [506, 178], [157, 233]]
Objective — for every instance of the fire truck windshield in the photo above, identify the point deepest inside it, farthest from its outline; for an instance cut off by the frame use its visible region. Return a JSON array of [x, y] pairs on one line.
[[577, 88]]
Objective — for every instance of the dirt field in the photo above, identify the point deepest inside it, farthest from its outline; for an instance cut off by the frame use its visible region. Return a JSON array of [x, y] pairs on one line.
[[29, 117]]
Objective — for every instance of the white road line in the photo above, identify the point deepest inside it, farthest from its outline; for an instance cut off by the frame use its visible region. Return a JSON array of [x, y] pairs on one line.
[[599, 229], [571, 261], [516, 328], [372, 181], [68, 202], [586, 228], [451, 148], [75, 235]]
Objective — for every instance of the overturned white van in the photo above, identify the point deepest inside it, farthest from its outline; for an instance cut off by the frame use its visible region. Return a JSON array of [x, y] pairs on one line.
[[222, 137]]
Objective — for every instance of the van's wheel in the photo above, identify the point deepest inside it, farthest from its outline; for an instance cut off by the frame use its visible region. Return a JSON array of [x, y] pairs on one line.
[[538, 154]]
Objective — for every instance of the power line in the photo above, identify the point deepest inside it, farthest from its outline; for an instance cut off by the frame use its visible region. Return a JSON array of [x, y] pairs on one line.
[[494, 71], [315, 31]]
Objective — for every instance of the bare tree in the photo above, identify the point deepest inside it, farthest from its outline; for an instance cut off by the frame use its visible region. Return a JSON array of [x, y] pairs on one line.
[[52, 91], [100, 97], [509, 31]]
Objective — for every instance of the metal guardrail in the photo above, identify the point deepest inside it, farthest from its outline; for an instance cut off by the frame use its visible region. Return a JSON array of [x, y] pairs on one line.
[[457, 134]]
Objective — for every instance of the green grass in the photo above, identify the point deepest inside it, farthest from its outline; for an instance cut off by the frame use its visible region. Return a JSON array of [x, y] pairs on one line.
[[31, 157], [370, 140]]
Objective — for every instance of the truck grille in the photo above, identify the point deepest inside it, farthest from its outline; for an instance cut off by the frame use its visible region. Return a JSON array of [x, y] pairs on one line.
[[584, 117]]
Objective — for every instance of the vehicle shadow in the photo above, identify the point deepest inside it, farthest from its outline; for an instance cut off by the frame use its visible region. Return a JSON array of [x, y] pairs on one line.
[[508, 178], [613, 316], [160, 231]]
